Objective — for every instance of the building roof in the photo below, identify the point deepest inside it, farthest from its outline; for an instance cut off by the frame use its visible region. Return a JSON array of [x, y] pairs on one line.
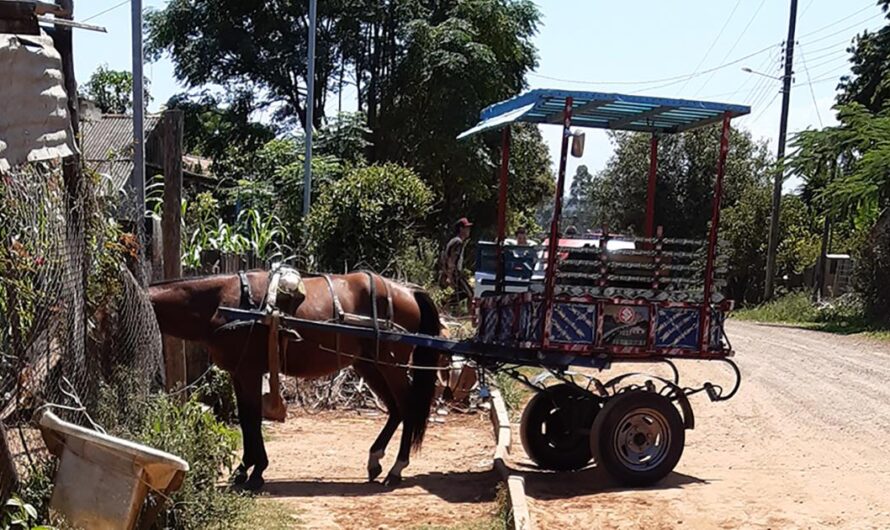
[[107, 143], [617, 112]]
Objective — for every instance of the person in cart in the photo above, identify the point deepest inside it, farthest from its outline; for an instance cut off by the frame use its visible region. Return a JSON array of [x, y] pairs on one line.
[[451, 262]]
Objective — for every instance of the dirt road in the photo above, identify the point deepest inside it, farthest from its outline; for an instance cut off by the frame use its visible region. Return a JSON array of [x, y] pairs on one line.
[[317, 473], [803, 445]]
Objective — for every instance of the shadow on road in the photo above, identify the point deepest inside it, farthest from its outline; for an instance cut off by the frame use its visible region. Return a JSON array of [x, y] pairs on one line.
[[458, 487], [541, 484]]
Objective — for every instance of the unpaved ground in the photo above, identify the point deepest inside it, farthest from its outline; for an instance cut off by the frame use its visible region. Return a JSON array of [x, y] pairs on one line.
[[805, 444], [317, 471]]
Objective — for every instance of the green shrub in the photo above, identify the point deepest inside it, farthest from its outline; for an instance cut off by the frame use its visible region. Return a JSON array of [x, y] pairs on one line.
[[216, 391], [368, 218], [193, 434], [795, 307]]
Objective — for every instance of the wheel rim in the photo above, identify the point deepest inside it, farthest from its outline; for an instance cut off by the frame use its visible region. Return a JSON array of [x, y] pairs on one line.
[[557, 434], [642, 439]]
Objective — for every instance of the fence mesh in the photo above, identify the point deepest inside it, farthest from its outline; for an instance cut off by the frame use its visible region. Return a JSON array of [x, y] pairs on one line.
[[74, 321]]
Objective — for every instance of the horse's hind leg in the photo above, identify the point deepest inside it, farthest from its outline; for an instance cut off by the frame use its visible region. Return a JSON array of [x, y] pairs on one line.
[[371, 374]]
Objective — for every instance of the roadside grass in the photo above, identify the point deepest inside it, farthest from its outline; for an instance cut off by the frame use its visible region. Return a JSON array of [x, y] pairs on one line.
[[844, 315]]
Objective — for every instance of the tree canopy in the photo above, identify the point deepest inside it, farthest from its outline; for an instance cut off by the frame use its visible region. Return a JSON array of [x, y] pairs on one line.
[[112, 90], [422, 71], [687, 167]]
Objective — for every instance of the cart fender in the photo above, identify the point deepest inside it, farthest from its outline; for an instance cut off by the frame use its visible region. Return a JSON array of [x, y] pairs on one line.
[[685, 406]]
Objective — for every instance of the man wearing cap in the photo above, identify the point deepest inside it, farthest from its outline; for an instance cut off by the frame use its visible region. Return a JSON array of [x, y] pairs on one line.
[[451, 270]]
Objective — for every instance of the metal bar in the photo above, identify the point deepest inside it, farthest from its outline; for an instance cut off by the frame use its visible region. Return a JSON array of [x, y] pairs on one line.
[[638, 117], [650, 189], [310, 104], [550, 279], [502, 208], [71, 24], [591, 105], [712, 236]]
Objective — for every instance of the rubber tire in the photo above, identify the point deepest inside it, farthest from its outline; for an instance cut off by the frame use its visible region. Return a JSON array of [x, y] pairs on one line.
[[606, 423], [546, 405]]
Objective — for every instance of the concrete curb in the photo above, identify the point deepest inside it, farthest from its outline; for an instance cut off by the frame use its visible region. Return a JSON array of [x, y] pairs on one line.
[[515, 484]]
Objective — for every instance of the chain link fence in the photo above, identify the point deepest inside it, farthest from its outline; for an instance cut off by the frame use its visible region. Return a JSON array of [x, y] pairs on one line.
[[74, 321]]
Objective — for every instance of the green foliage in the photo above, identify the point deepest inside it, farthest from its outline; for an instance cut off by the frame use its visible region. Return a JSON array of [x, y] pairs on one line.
[[112, 90], [417, 262], [217, 392], [194, 435], [423, 71], [19, 515], [795, 307], [742, 226], [368, 217], [687, 167], [869, 81], [37, 486]]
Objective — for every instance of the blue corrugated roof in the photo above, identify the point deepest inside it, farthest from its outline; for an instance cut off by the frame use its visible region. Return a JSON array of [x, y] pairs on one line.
[[618, 112]]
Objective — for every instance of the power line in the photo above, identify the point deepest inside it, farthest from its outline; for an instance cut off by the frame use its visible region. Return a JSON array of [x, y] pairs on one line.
[[681, 77], [836, 22], [736, 43], [810, 84], [847, 28], [830, 46], [714, 42], [100, 13]]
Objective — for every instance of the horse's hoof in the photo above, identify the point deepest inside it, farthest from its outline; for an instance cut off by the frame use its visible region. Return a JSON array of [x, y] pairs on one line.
[[252, 484], [392, 481], [374, 472], [239, 477]]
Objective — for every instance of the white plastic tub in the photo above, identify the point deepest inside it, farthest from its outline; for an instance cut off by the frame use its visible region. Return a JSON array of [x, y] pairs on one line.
[[102, 481]]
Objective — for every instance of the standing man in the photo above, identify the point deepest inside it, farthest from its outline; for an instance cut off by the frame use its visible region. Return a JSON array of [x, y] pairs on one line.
[[451, 272]]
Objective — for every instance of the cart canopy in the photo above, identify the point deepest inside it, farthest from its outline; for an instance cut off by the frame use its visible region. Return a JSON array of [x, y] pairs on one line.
[[617, 112]]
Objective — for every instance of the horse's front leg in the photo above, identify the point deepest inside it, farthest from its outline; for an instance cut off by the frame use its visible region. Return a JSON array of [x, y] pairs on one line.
[[248, 392], [239, 477]]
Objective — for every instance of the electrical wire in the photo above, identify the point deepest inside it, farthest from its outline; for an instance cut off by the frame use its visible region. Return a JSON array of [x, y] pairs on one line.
[[736, 43], [713, 43], [836, 22], [681, 77], [810, 84], [100, 13], [842, 30]]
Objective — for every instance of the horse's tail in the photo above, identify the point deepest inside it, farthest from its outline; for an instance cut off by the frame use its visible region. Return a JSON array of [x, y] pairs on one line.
[[423, 377]]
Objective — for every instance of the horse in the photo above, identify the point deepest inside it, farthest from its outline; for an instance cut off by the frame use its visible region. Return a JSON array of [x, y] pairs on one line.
[[189, 309]]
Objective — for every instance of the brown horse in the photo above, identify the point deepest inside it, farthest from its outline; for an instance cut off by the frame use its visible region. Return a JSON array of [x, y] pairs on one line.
[[188, 309]]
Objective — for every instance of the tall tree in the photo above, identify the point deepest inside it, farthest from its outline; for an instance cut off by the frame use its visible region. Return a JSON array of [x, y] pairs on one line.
[[687, 167], [112, 90], [869, 81]]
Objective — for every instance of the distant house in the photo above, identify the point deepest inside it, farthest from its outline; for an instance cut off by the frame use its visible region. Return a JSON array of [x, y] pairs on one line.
[[107, 145]]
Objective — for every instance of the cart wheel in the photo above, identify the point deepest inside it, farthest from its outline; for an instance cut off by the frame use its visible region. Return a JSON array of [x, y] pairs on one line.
[[638, 438], [555, 427]]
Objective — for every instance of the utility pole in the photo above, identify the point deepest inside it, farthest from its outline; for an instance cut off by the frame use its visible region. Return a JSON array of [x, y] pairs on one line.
[[310, 102], [138, 128], [780, 157]]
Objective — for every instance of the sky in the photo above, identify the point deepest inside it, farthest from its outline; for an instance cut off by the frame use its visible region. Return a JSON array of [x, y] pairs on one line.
[[693, 49]]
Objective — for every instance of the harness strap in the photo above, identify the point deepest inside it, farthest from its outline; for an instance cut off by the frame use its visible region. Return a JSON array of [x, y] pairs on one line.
[[335, 300], [374, 320], [246, 301]]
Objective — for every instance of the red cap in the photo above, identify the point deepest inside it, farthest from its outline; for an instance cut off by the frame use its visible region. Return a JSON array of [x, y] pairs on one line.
[[463, 221]]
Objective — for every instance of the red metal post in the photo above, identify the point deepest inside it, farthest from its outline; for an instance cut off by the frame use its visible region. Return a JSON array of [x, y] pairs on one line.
[[712, 235], [502, 208], [553, 244], [650, 189]]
